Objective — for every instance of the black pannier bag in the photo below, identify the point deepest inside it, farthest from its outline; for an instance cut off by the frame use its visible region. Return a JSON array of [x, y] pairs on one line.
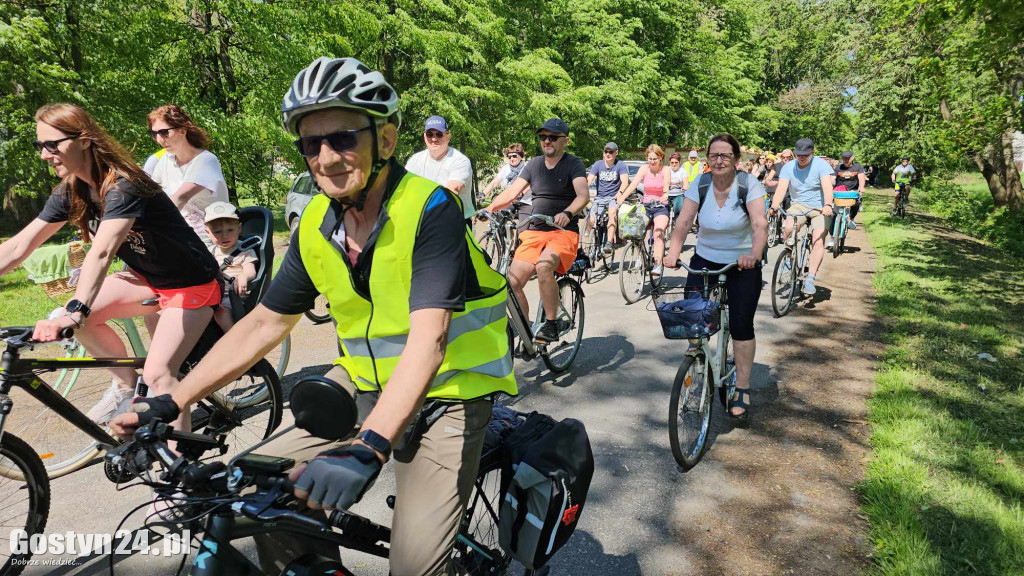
[[545, 482]]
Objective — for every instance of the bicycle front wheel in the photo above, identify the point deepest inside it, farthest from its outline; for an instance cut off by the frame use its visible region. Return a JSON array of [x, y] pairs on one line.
[[559, 355], [632, 272], [25, 493], [838, 230], [320, 313], [489, 243], [689, 413], [477, 551], [235, 411], [773, 230], [784, 283]]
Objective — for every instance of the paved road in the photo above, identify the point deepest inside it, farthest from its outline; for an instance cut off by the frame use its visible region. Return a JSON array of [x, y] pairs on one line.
[[639, 503]]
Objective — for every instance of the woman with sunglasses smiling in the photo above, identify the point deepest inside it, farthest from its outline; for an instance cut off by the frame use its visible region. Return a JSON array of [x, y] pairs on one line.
[[124, 214], [188, 172], [657, 181], [515, 161]]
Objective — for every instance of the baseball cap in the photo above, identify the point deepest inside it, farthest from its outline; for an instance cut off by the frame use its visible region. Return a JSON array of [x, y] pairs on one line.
[[555, 126], [435, 123], [609, 146], [803, 146], [846, 154], [905, 158], [220, 210], [693, 154]]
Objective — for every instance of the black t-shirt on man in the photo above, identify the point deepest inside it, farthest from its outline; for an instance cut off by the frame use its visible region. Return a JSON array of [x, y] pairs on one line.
[[552, 189], [161, 247], [847, 176]]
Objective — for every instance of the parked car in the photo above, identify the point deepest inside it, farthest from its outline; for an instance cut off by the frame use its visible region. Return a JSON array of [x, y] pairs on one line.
[[299, 195]]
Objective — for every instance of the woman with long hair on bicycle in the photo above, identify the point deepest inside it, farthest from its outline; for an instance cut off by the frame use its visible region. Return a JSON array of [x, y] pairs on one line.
[[124, 214], [188, 172], [728, 233], [657, 182]]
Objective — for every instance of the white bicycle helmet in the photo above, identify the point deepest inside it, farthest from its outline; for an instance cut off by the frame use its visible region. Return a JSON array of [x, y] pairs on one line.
[[339, 83]]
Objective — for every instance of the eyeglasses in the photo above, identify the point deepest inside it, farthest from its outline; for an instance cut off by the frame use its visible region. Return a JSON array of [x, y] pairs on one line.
[[550, 137], [340, 141], [163, 133], [610, 151], [511, 156], [719, 157], [433, 134], [52, 146]]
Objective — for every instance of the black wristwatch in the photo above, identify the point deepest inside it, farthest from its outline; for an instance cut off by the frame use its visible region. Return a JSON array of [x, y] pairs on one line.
[[77, 306], [375, 441], [569, 214]]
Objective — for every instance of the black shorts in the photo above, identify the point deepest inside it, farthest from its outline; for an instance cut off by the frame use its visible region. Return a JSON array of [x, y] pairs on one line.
[[744, 288]]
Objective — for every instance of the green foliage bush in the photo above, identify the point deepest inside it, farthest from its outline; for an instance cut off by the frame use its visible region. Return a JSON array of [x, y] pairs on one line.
[[971, 211]]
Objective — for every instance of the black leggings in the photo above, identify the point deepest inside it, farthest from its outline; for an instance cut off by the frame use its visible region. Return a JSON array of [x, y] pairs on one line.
[[744, 287]]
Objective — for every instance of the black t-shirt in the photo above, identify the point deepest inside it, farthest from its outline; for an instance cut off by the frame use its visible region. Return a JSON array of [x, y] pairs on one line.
[[442, 272], [552, 189], [161, 247], [847, 176]]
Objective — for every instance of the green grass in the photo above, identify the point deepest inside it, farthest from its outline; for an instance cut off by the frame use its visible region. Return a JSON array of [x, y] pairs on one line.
[[965, 203], [945, 486]]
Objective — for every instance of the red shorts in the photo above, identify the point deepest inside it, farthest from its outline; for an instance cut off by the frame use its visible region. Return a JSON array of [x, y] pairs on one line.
[[190, 297], [561, 242]]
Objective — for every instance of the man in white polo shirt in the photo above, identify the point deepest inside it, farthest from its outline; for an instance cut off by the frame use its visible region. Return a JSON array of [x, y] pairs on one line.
[[443, 164]]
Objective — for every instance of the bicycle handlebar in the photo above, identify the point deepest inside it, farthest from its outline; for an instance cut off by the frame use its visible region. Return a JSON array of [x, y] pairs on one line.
[[22, 335], [549, 220], [705, 271]]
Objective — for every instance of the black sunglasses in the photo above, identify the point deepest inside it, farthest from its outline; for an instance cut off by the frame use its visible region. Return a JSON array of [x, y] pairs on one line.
[[511, 156], [434, 134], [52, 146], [341, 141], [550, 137], [610, 151], [163, 133]]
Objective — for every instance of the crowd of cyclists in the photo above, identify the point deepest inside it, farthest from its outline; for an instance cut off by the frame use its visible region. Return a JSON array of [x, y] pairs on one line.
[[419, 312]]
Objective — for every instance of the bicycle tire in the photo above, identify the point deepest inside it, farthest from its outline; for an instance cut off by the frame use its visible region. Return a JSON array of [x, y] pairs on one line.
[[320, 313], [556, 357], [632, 272], [785, 271], [489, 244], [24, 481], [686, 388], [245, 423], [837, 231], [477, 551]]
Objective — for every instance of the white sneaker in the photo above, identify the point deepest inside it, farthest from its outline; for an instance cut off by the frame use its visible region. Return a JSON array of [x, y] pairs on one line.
[[171, 509], [791, 241], [111, 404], [656, 271], [809, 288], [830, 242]]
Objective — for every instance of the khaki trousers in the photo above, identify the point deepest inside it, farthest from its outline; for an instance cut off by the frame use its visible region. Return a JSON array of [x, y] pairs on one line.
[[434, 478]]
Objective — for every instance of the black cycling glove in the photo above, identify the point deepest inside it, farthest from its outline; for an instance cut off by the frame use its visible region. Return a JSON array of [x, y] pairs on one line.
[[149, 409], [337, 479]]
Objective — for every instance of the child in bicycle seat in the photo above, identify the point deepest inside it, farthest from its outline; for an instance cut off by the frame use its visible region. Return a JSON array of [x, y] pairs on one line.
[[223, 227]]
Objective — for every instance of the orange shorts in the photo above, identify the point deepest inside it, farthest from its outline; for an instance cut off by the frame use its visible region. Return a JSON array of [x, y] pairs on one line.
[[190, 297], [561, 242]]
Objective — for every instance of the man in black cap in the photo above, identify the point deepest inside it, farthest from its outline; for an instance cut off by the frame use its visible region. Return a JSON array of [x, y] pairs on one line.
[[852, 175], [559, 185], [809, 182]]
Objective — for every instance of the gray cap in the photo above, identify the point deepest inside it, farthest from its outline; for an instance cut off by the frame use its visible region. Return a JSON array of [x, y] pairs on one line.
[[847, 154], [611, 146], [555, 126], [693, 154], [219, 210], [803, 146]]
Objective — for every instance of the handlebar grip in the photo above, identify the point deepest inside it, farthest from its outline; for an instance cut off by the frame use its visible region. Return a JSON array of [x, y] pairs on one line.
[[66, 333]]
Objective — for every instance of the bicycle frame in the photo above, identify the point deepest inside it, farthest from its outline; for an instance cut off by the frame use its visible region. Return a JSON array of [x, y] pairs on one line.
[[717, 357]]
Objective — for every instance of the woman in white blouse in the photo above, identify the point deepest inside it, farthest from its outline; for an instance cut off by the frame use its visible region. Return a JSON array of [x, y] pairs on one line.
[[188, 172], [728, 234]]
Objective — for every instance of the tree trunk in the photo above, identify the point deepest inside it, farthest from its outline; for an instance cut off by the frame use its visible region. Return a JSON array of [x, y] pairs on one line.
[[1000, 172]]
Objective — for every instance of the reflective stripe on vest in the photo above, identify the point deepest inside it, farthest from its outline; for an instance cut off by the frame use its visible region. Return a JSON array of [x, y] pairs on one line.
[[373, 333]]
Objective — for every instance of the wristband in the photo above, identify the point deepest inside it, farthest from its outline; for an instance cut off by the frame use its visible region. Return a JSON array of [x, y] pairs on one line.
[[569, 214]]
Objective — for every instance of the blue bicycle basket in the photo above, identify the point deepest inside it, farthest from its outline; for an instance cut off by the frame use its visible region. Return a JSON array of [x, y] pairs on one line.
[[687, 315]]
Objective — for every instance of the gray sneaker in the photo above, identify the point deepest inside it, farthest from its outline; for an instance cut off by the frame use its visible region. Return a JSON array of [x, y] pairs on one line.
[[808, 288], [853, 225], [112, 404], [830, 242]]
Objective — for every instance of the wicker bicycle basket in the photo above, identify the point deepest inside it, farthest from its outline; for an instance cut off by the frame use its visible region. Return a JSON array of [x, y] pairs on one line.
[[60, 286]]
